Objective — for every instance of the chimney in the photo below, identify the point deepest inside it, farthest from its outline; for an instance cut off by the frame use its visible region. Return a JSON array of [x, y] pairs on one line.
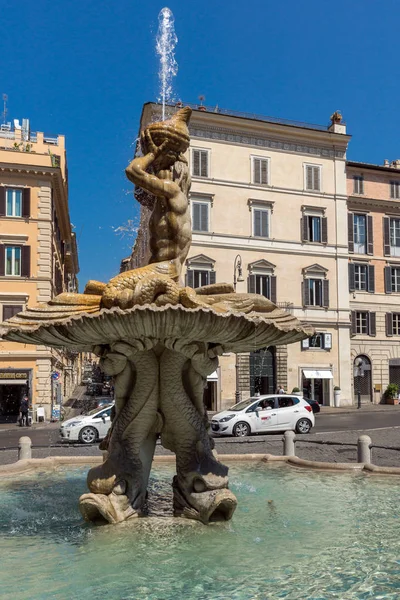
[[386, 163]]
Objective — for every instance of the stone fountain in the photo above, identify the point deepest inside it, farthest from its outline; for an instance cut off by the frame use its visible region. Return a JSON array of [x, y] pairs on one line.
[[159, 341]]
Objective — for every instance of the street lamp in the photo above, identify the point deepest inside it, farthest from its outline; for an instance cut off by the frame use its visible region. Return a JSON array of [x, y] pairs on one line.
[[237, 278]]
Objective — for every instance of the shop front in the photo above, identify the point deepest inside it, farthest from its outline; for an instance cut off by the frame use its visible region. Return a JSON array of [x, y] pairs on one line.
[[14, 384], [316, 385]]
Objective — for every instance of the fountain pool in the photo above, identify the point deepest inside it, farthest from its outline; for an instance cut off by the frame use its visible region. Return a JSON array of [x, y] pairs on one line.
[[323, 536]]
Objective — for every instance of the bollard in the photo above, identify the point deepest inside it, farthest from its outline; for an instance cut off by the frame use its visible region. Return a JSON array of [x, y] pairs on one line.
[[364, 449], [24, 448], [288, 440]]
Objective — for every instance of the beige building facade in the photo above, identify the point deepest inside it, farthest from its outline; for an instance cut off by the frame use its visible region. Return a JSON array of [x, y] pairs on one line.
[[269, 212], [374, 275], [38, 259]]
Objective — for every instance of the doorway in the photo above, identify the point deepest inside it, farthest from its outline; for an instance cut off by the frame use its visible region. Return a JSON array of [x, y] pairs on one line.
[[263, 371], [10, 400], [363, 382], [210, 396], [316, 389]]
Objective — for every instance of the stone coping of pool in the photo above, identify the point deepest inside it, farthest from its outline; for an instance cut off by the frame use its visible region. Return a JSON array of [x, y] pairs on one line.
[[51, 463]]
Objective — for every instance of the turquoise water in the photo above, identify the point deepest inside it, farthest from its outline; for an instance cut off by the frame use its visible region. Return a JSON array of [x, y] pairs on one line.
[[323, 536]]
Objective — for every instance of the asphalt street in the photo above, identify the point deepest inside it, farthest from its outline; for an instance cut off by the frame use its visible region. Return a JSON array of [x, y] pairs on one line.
[[333, 439]]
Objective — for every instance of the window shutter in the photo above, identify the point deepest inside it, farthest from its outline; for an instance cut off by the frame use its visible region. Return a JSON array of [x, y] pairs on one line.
[[388, 280], [257, 222], [371, 278], [273, 288], [350, 229], [392, 189], [324, 230], [264, 171], [196, 216], [372, 324], [203, 163], [25, 261], [26, 203], [264, 223], [361, 185], [256, 170], [389, 324], [211, 277], [304, 229], [251, 284], [353, 322], [317, 178], [203, 217], [325, 294], [352, 281], [2, 259], [370, 235], [189, 279], [306, 292], [386, 236], [196, 162], [309, 178], [2, 201]]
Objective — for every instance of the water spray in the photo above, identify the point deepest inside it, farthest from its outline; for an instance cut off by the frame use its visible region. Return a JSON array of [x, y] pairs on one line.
[[166, 41]]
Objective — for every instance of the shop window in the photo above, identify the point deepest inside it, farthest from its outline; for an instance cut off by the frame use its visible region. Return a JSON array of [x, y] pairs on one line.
[[319, 341]]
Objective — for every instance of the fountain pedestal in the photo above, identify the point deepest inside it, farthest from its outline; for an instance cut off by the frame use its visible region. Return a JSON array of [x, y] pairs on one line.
[[158, 391]]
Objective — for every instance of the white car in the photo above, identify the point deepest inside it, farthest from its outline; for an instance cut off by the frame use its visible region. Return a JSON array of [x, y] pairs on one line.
[[87, 428], [262, 414]]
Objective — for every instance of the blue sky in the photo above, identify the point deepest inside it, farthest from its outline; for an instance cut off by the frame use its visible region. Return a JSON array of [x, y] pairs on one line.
[[85, 69]]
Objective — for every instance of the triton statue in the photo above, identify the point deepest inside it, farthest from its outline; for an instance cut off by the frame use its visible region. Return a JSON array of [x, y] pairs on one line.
[[159, 341]]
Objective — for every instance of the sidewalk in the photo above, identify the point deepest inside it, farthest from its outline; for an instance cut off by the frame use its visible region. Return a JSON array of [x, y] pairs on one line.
[[25, 430], [332, 410]]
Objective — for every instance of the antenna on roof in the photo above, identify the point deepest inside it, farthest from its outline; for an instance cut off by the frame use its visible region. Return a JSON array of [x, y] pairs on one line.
[[5, 111]]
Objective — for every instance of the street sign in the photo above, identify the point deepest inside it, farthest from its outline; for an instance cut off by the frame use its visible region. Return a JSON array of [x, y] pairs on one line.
[[55, 375]]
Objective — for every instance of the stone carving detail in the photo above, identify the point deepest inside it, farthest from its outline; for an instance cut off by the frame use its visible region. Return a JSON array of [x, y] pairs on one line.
[[159, 341]]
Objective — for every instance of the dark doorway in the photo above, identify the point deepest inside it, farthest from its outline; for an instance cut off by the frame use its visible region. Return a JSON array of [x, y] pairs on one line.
[[263, 371], [210, 396], [10, 399], [363, 383]]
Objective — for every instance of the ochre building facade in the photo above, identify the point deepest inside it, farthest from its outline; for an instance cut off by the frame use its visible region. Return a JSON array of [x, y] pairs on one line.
[[38, 259]]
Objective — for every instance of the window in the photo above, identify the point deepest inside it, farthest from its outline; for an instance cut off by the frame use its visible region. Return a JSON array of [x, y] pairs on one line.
[[395, 276], [361, 277], [319, 341], [13, 260], [314, 228], [201, 278], [260, 170], [200, 216], [363, 323], [13, 203], [315, 287], [358, 185], [395, 237], [287, 402], [396, 323], [313, 178], [360, 233], [200, 163], [263, 285], [316, 292], [395, 189], [9, 310], [260, 222]]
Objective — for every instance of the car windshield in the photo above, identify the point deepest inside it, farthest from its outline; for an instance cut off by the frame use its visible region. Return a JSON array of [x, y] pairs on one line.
[[94, 411], [243, 404]]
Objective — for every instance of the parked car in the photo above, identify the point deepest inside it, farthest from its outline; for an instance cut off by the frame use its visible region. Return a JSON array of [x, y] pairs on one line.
[[262, 414], [87, 428], [314, 405]]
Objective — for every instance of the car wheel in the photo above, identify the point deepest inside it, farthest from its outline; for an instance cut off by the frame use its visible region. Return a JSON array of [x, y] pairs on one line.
[[303, 426], [241, 429], [88, 435]]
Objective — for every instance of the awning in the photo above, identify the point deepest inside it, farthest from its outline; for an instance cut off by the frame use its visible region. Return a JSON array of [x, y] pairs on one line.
[[317, 374], [13, 381], [213, 376]]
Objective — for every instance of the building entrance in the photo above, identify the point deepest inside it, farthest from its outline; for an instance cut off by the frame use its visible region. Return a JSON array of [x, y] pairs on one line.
[[10, 399], [262, 371], [316, 385]]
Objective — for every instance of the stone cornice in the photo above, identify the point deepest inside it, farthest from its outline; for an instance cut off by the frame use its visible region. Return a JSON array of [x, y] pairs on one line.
[[233, 136], [374, 203]]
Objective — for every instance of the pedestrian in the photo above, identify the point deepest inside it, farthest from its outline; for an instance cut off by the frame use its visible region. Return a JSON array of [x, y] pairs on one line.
[[23, 410], [280, 390]]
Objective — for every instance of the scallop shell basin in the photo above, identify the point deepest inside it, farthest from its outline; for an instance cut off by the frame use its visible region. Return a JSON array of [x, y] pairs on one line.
[[175, 130]]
